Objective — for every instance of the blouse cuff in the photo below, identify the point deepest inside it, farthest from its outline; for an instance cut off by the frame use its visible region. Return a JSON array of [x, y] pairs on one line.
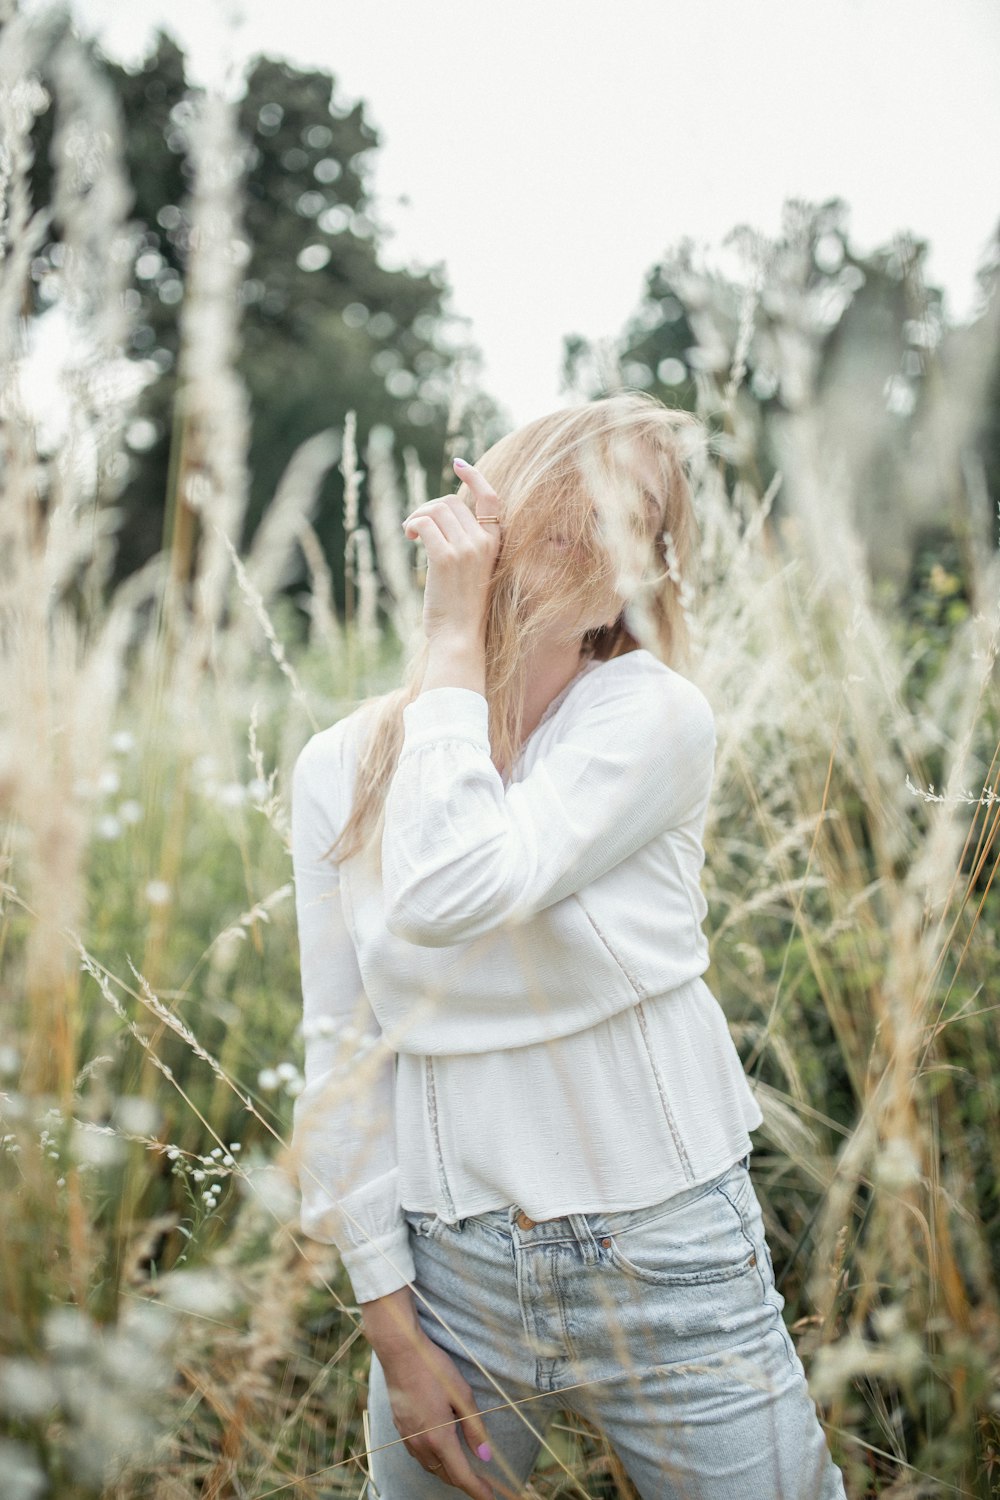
[[371, 1275], [446, 713]]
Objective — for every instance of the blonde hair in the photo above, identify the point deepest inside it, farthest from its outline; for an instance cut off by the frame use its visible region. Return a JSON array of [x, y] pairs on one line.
[[599, 493]]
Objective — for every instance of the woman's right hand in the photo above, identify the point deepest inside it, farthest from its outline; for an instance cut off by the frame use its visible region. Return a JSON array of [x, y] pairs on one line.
[[427, 1389], [462, 554]]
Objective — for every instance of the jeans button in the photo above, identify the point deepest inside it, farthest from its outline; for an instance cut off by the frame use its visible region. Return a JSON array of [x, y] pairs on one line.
[[523, 1222]]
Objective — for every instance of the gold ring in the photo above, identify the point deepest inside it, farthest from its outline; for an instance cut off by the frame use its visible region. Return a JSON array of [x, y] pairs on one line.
[[482, 519]]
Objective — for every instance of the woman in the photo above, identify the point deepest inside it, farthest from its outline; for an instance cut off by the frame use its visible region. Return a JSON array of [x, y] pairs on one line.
[[525, 1123]]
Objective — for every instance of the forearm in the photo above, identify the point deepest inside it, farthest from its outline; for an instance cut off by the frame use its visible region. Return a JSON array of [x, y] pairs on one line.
[[456, 662], [390, 1323]]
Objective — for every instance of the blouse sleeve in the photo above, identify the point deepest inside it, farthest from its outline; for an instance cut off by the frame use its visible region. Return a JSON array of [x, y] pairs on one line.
[[462, 855], [344, 1132]]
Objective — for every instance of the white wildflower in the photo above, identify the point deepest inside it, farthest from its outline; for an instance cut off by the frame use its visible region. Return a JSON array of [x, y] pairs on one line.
[[157, 892]]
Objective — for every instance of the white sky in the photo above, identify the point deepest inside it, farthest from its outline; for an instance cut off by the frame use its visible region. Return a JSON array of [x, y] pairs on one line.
[[549, 151]]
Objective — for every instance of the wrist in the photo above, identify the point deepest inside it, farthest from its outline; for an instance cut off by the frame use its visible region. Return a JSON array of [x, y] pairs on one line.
[[456, 661], [390, 1323]]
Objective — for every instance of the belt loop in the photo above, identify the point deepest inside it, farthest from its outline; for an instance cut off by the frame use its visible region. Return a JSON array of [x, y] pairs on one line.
[[580, 1225]]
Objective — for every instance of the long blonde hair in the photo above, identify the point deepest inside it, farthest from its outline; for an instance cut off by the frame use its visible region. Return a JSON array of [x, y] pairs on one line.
[[599, 492]]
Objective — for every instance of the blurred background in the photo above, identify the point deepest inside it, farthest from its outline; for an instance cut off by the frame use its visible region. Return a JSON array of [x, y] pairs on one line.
[[263, 270], [508, 201], [545, 161]]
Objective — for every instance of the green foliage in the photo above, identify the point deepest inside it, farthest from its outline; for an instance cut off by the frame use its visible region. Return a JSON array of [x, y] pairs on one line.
[[878, 342], [320, 336]]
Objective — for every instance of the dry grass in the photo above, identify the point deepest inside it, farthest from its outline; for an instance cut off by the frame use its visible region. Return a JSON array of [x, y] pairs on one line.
[[165, 1329]]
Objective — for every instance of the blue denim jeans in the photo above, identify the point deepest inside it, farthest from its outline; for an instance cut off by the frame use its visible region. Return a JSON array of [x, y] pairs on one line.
[[660, 1325]]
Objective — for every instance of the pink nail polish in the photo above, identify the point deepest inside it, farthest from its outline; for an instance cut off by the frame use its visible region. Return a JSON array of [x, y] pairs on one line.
[[485, 1452], [460, 463]]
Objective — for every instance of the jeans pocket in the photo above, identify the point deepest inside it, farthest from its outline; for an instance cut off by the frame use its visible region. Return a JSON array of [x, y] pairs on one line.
[[707, 1241]]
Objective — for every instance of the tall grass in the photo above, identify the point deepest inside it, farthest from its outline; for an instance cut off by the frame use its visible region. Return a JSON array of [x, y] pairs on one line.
[[165, 1330]]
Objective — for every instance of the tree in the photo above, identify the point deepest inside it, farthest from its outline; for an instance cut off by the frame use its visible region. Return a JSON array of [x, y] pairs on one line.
[[326, 328], [858, 333]]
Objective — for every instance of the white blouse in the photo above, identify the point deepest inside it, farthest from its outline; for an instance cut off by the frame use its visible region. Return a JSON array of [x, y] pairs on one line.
[[513, 1011]]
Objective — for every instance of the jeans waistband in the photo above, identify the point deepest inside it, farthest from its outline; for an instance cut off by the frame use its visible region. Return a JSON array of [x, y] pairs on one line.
[[585, 1227]]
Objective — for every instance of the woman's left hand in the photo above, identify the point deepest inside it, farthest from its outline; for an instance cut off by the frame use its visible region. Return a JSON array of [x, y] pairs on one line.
[[461, 555]]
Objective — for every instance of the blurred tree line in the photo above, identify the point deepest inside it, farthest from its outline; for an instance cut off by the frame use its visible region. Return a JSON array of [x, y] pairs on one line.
[[866, 338], [327, 328]]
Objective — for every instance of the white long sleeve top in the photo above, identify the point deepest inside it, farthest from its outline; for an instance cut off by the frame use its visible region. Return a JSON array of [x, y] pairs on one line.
[[514, 1011]]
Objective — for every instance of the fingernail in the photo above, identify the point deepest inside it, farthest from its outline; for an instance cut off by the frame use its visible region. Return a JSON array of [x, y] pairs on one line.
[[485, 1452], [460, 463]]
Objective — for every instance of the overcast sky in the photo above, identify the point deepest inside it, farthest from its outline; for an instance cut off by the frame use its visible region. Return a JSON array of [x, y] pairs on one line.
[[549, 151]]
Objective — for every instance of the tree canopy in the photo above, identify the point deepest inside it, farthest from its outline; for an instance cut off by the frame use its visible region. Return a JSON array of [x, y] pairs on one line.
[[862, 335], [325, 327]]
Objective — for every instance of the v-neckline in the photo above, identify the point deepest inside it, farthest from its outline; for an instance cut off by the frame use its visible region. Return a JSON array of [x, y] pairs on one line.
[[550, 709]]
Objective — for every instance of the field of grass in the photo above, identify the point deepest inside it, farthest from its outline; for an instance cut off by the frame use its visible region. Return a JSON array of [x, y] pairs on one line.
[[165, 1329]]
